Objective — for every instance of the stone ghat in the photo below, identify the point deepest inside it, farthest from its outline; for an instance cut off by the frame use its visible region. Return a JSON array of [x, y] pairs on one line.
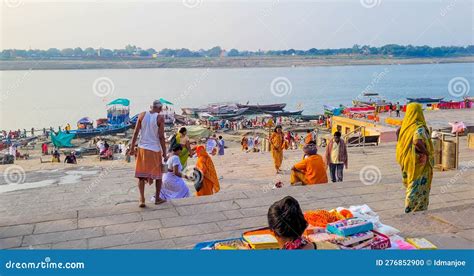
[[107, 216]]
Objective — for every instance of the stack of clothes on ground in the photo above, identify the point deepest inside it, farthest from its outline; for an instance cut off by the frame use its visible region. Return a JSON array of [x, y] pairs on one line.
[[353, 228]]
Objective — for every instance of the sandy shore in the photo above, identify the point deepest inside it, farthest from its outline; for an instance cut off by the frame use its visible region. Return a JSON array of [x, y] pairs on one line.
[[225, 62]]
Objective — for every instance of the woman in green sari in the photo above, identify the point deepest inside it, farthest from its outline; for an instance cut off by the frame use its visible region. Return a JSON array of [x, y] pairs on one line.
[[183, 140], [415, 156]]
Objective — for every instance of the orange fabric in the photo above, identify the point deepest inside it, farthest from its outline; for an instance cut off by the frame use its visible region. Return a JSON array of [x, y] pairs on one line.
[[308, 138], [244, 143], [148, 164], [206, 166], [320, 218], [314, 169], [277, 149]]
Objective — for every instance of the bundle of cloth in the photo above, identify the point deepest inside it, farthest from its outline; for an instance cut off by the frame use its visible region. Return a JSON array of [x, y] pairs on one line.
[[457, 127]]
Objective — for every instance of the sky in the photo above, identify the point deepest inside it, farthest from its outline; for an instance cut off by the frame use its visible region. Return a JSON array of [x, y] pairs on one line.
[[245, 25]]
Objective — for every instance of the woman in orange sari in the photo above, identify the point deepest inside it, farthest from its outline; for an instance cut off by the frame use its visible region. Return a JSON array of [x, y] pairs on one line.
[[277, 142], [245, 143], [210, 182]]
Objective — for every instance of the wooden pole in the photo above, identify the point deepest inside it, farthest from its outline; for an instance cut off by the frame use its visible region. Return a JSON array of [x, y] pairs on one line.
[[457, 151]]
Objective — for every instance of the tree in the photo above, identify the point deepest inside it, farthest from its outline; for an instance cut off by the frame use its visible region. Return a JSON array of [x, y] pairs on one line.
[[90, 52], [106, 53], [214, 52], [67, 52], [233, 53], [151, 51], [130, 49], [78, 52], [53, 52]]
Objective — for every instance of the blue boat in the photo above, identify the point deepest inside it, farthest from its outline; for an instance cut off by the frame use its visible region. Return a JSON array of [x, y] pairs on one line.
[[118, 121], [101, 130], [425, 100]]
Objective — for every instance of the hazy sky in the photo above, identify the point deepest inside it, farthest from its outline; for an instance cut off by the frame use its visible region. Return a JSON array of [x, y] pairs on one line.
[[248, 25]]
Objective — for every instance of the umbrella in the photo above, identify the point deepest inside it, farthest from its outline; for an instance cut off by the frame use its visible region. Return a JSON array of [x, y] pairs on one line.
[[85, 120], [163, 101], [120, 101]]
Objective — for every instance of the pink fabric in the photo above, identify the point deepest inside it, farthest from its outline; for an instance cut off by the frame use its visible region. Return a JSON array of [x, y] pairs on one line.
[[457, 127]]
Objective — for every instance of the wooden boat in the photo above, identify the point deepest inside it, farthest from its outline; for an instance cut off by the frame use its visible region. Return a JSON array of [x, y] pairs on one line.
[[220, 116], [309, 117], [425, 100], [368, 94], [369, 99], [100, 131], [192, 110], [284, 113], [215, 109], [260, 108]]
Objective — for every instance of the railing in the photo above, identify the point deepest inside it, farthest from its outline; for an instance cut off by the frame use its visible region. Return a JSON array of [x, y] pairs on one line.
[[355, 138]]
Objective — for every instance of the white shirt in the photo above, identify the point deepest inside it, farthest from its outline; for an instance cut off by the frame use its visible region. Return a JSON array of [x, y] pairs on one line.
[[12, 150], [101, 146], [149, 138], [210, 145]]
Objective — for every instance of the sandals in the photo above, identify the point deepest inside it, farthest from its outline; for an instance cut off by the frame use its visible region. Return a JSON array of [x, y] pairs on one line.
[[159, 201], [142, 204]]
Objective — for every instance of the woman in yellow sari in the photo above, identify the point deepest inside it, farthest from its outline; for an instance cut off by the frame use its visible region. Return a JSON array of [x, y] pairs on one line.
[[210, 182], [277, 142], [183, 140], [415, 156]]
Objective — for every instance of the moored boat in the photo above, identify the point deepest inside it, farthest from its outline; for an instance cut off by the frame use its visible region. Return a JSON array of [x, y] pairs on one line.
[[117, 121], [425, 100], [222, 114], [369, 99], [100, 131], [310, 117], [284, 113], [260, 108]]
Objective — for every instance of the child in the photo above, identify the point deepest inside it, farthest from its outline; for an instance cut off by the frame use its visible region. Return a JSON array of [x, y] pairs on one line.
[[287, 222]]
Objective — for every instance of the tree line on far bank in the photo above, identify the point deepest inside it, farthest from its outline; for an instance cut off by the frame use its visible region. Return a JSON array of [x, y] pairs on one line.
[[132, 51]]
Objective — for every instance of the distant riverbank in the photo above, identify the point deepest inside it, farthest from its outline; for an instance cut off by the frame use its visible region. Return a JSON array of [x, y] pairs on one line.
[[222, 62]]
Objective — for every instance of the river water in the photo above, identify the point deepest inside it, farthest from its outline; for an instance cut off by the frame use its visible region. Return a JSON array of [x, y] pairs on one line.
[[46, 98]]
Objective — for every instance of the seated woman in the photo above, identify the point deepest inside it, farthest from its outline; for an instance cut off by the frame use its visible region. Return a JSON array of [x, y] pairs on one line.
[[71, 158], [173, 183], [310, 170], [56, 157], [210, 182], [287, 222]]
